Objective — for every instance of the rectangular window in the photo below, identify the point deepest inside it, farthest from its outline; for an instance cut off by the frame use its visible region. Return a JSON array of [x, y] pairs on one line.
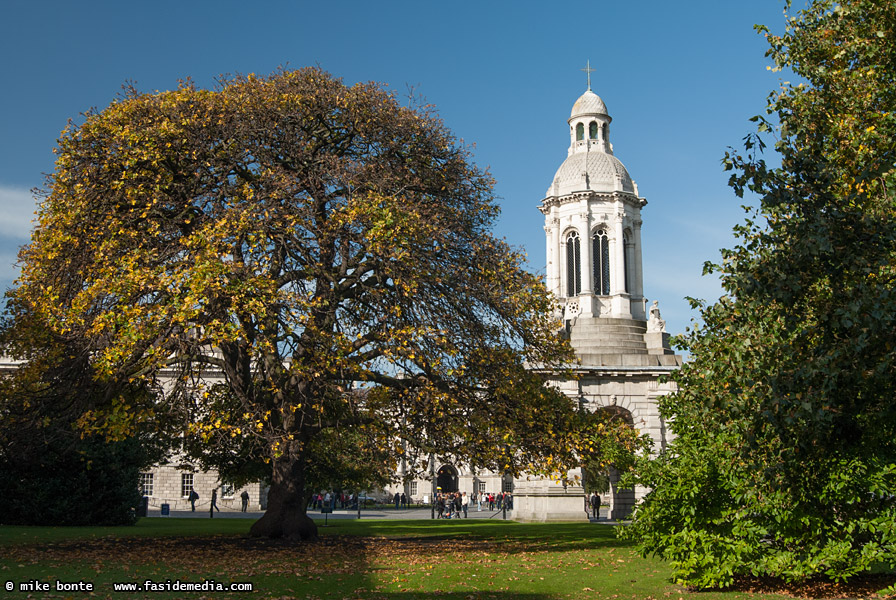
[[186, 484], [507, 485], [146, 484], [227, 490], [413, 488], [481, 487]]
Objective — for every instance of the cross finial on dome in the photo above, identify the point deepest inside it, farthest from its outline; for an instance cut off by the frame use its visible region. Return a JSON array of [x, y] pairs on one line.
[[589, 71]]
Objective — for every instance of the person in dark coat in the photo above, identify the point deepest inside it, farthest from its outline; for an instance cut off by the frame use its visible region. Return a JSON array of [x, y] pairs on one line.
[[595, 505], [214, 504]]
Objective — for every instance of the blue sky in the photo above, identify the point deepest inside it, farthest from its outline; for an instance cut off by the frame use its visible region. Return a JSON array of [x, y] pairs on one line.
[[680, 80]]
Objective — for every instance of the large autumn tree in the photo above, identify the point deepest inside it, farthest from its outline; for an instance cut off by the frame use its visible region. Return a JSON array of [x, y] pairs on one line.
[[287, 257], [785, 461]]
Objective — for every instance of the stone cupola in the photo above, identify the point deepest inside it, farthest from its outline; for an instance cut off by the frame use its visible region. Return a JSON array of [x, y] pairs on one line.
[[593, 221], [592, 213]]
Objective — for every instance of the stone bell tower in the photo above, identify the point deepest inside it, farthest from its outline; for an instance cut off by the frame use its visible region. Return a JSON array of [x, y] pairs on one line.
[[592, 213], [593, 231]]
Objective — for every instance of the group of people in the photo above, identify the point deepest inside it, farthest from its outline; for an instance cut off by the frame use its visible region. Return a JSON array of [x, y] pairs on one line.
[[449, 504], [324, 498], [494, 501], [400, 500], [452, 504]]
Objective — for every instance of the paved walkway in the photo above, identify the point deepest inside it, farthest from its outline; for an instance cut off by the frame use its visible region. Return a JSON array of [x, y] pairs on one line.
[[367, 513]]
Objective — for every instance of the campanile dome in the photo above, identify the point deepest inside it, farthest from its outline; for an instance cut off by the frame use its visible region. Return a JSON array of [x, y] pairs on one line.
[[588, 103], [591, 171]]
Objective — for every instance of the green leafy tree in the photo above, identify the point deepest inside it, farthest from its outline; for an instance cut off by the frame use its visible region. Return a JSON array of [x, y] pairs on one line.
[[297, 240], [52, 473], [609, 445], [784, 462]]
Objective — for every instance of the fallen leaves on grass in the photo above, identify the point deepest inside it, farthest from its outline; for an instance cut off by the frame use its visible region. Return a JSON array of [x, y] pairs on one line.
[[858, 587], [331, 555], [335, 556]]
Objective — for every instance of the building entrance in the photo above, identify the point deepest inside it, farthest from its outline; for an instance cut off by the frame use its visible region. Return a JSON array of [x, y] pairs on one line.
[[447, 479]]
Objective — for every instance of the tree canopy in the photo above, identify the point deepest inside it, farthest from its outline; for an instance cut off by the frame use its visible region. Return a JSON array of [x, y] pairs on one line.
[[284, 258], [52, 473], [784, 462]]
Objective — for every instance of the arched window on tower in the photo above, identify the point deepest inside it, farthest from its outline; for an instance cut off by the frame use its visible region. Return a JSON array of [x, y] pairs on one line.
[[605, 131], [592, 130], [573, 265], [601, 256], [580, 132]]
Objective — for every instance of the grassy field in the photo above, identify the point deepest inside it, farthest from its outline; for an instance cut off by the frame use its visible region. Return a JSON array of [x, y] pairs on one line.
[[393, 560]]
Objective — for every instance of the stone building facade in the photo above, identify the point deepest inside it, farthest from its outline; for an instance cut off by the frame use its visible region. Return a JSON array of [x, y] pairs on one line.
[[172, 482]]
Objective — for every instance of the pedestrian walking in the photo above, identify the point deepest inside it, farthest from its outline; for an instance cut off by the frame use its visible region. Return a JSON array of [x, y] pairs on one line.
[[595, 505], [214, 504]]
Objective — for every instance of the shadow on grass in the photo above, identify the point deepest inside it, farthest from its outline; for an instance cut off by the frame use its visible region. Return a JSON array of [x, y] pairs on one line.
[[363, 593], [371, 560], [860, 586], [145, 527], [560, 537]]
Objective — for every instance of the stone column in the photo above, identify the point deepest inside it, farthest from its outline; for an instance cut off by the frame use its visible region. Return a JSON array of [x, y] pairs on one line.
[[637, 272], [587, 259], [561, 265], [617, 276], [558, 257], [551, 257]]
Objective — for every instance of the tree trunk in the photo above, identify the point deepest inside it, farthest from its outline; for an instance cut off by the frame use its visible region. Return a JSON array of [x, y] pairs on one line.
[[286, 515]]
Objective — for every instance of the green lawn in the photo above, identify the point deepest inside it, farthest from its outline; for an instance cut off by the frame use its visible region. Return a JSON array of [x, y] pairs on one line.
[[394, 560]]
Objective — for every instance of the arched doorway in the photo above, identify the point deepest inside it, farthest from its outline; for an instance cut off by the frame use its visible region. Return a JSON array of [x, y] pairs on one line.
[[446, 479], [617, 413], [604, 479]]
